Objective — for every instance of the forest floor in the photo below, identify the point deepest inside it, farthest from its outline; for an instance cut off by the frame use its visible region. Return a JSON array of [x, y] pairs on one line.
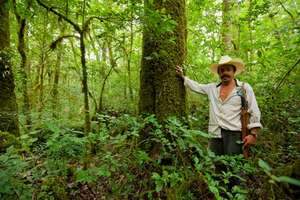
[[128, 157]]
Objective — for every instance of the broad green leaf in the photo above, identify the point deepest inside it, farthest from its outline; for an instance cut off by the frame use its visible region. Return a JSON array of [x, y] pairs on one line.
[[265, 166], [289, 180]]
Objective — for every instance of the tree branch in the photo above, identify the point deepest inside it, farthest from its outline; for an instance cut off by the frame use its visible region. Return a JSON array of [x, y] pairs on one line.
[[288, 72], [88, 21], [60, 39], [76, 26], [287, 11]]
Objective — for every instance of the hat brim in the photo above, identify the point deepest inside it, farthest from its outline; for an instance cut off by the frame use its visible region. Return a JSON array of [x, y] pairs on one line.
[[239, 65]]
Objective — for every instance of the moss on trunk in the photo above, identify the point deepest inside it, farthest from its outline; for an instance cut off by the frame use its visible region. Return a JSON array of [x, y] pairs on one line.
[[164, 46], [8, 106]]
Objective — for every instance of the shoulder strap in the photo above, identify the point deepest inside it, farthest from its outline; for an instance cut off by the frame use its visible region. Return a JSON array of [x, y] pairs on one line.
[[243, 94]]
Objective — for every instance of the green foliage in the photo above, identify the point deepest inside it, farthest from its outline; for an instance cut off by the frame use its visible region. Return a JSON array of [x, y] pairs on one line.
[[171, 179], [7, 140], [160, 22], [13, 174], [123, 161], [126, 157], [273, 179], [129, 154], [92, 174], [65, 146]]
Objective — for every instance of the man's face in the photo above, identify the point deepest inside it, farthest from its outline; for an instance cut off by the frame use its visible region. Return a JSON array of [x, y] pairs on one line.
[[226, 73]]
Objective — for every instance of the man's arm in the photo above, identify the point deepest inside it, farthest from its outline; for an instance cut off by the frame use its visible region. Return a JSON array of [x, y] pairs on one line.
[[193, 85], [254, 125]]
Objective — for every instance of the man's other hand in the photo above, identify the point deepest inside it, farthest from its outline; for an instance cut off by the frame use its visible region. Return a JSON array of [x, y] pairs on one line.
[[249, 140]]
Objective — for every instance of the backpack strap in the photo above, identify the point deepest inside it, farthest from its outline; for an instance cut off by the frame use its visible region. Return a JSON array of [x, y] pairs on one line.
[[243, 94], [245, 116]]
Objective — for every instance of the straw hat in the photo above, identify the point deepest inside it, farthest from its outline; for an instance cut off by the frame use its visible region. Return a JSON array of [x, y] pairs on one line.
[[238, 63]]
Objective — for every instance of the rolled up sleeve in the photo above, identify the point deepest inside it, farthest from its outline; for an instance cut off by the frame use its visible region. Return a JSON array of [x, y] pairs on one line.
[[253, 109]]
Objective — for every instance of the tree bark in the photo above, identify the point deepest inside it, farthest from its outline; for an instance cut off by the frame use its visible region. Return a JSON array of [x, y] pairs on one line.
[[161, 92], [21, 48], [87, 125], [42, 65], [226, 27], [113, 64], [8, 105], [55, 91], [104, 58], [250, 27], [129, 54]]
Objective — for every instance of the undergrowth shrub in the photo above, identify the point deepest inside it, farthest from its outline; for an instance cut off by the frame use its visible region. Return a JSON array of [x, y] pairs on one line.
[[13, 172], [126, 158]]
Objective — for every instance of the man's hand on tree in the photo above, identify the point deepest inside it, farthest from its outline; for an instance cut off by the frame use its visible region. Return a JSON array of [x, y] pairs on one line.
[[179, 71]]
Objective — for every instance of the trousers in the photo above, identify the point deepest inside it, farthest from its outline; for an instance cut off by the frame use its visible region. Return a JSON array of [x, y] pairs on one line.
[[229, 144]]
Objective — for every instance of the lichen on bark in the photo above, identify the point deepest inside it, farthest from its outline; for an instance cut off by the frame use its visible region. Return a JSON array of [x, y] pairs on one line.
[[8, 106], [164, 46]]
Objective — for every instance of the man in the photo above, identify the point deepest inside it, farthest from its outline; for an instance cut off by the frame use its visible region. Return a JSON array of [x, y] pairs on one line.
[[225, 107]]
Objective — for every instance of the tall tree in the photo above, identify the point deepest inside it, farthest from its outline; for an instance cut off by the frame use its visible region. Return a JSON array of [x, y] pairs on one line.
[[42, 67], [22, 23], [226, 27], [164, 47], [81, 32], [55, 89], [59, 54], [8, 105], [128, 53]]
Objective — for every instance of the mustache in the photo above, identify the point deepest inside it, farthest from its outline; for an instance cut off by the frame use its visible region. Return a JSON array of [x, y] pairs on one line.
[[225, 75]]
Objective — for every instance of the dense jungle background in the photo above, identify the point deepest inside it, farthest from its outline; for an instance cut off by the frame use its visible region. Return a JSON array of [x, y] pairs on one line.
[[91, 107]]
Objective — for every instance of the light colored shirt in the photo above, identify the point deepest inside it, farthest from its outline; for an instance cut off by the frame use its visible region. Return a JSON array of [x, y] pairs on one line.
[[226, 114]]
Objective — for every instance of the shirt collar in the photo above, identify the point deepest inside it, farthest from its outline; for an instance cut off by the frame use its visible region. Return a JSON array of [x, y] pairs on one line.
[[237, 83]]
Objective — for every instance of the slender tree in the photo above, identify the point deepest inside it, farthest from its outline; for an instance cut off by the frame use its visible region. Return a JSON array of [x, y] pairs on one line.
[[164, 46], [60, 52], [81, 32], [22, 25], [55, 89], [42, 66], [113, 65], [226, 27], [129, 54], [8, 105]]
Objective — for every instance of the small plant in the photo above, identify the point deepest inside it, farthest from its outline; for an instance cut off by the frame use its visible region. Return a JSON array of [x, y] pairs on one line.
[[13, 173], [277, 179]]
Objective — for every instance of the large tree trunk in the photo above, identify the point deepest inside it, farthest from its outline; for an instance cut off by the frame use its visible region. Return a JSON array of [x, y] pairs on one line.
[[161, 92], [8, 105]]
